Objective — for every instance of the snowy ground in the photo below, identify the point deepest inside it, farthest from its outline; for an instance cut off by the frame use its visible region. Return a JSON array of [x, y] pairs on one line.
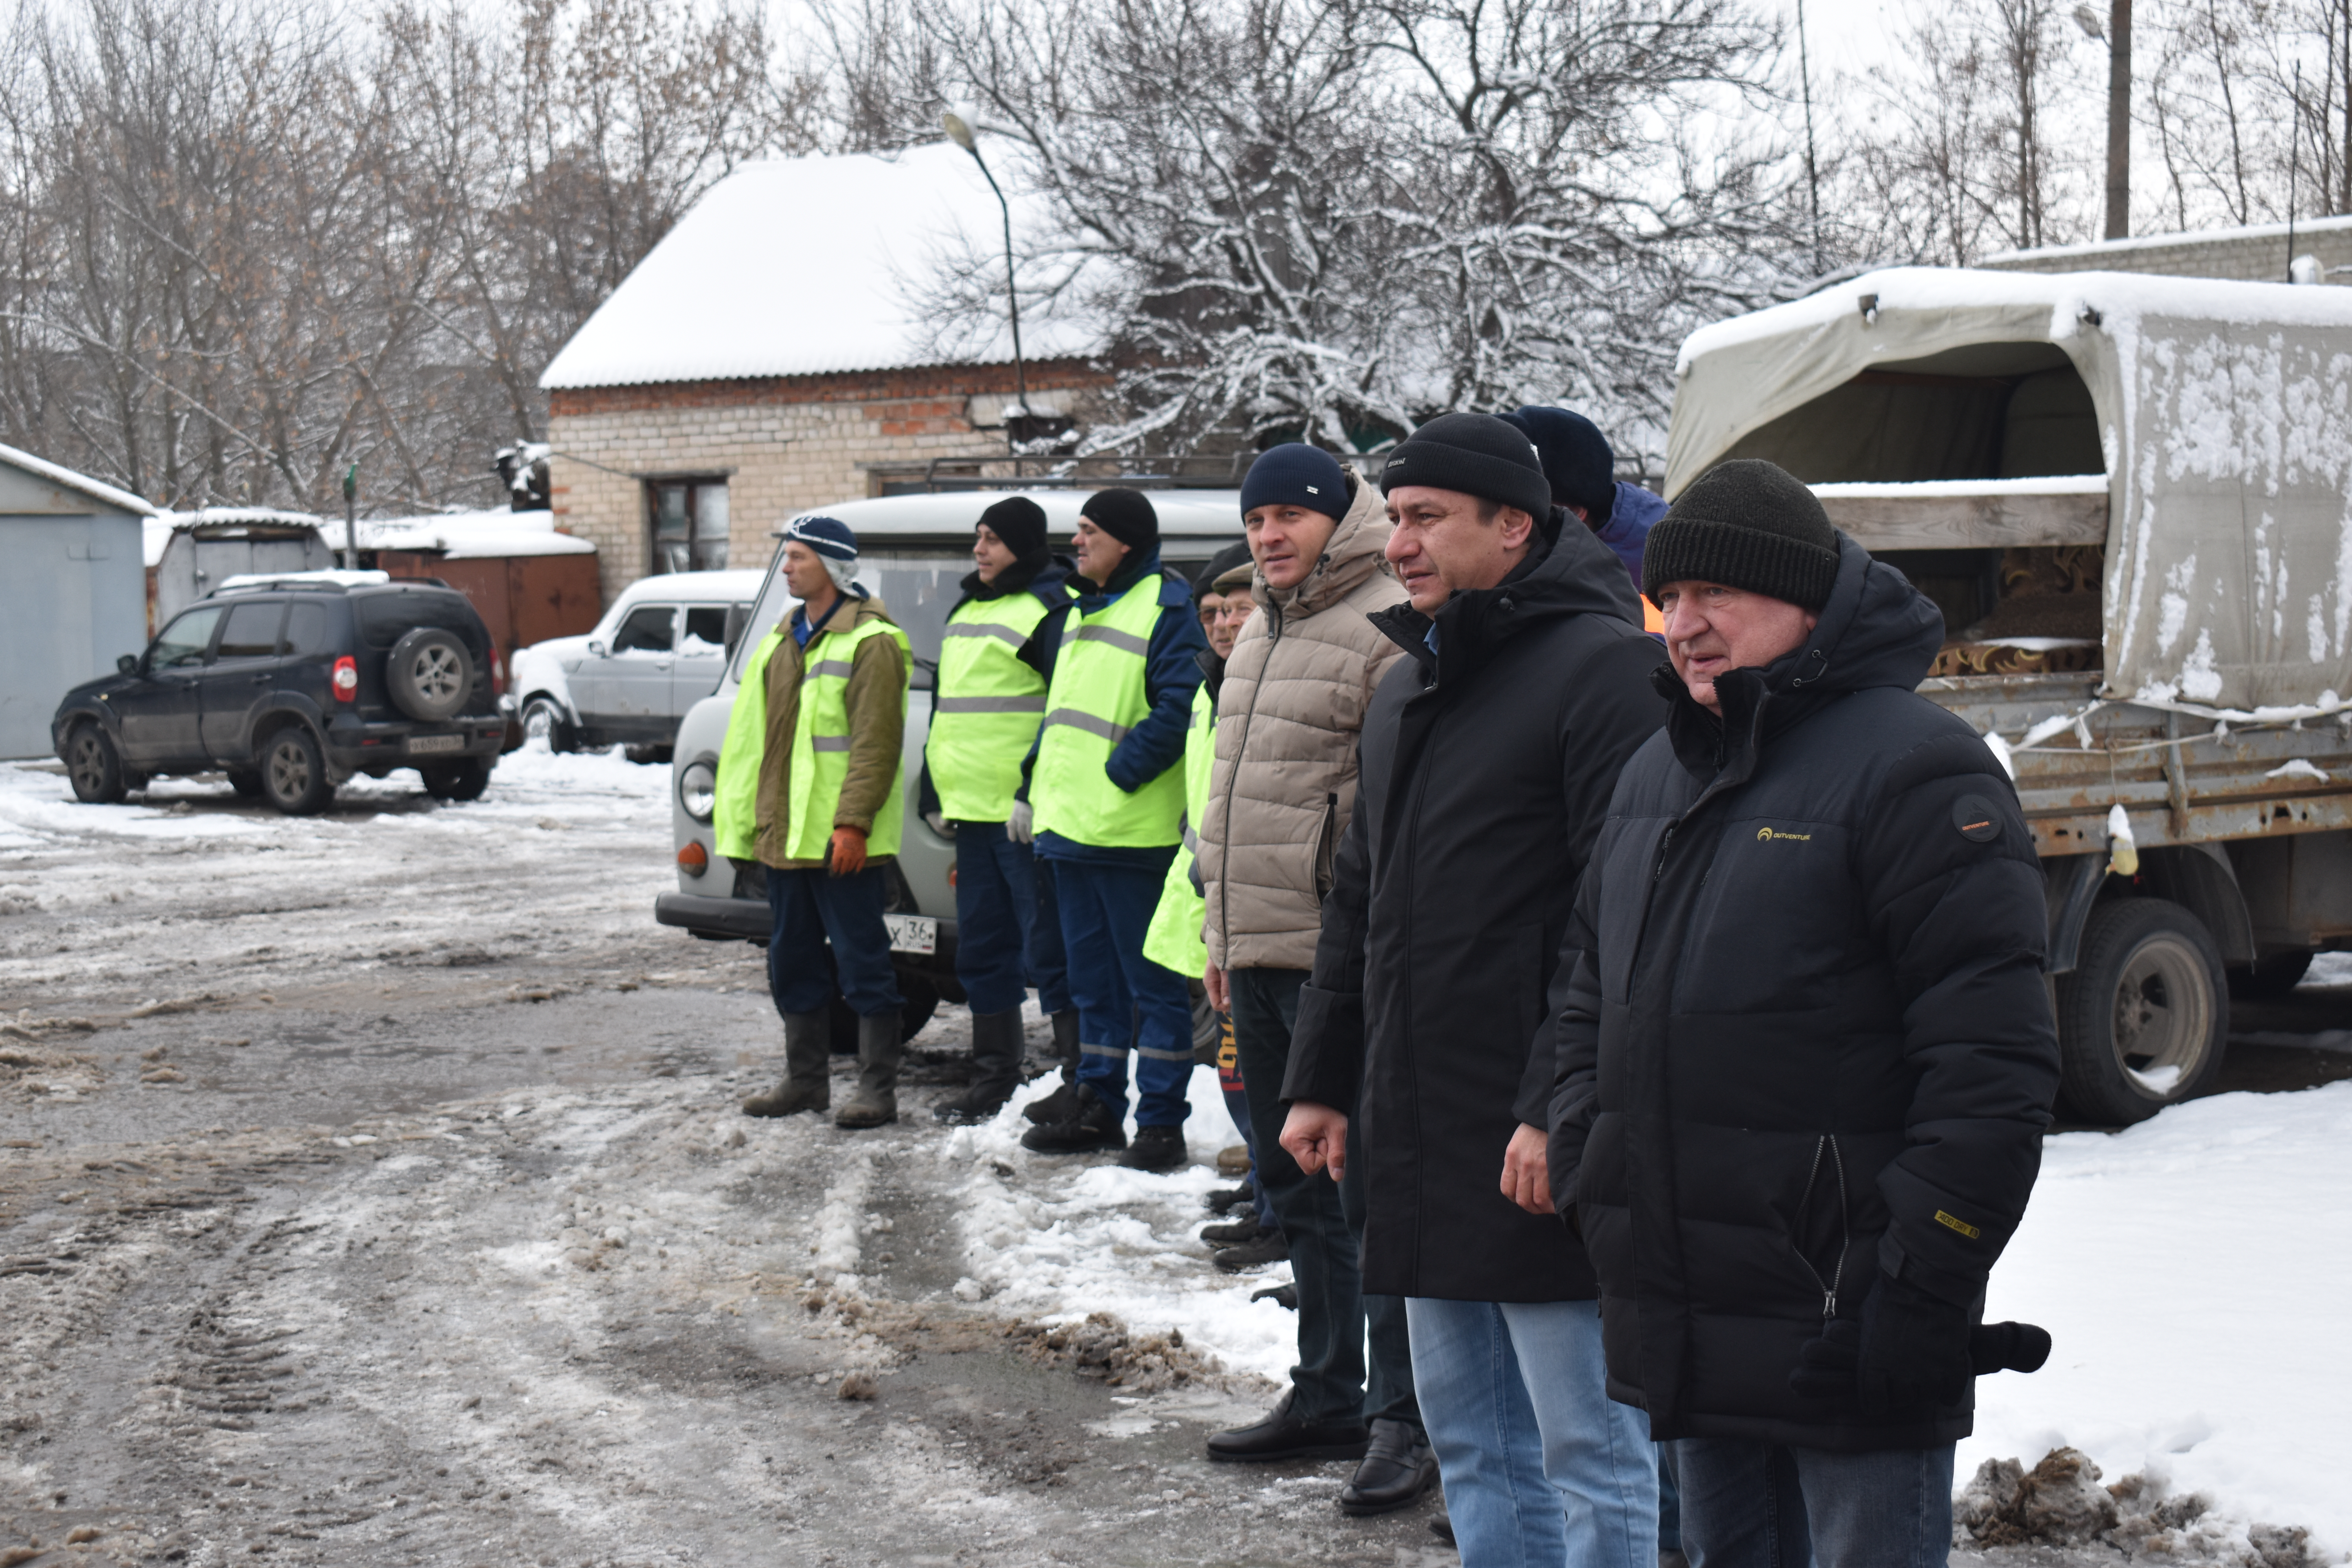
[[392, 1207]]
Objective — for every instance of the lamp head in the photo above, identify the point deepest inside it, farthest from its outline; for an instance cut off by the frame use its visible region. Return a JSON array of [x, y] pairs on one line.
[[960, 130]]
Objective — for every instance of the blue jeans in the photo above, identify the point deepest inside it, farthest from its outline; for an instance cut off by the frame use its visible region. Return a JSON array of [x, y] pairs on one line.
[[1004, 941], [1764, 1505], [1541, 1468], [1324, 1223], [807, 911], [1120, 995]]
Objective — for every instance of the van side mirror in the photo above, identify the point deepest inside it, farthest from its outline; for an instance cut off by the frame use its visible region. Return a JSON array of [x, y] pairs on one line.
[[738, 617], [128, 664]]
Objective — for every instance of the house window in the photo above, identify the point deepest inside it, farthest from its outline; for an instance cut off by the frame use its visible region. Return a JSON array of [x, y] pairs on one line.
[[690, 524]]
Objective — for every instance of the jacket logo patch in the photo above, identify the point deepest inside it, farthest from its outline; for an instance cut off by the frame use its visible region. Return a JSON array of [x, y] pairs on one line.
[[1975, 817], [1949, 1223], [1769, 834]]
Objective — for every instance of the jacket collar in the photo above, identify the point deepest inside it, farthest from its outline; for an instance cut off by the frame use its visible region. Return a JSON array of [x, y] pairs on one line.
[[1566, 572], [1139, 565]]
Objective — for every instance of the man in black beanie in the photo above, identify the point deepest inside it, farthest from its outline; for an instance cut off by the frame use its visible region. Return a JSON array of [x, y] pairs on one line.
[[1582, 468], [989, 698], [1487, 757], [1804, 1053]]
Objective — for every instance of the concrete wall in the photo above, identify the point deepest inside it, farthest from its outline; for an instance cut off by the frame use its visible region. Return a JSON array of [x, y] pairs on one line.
[[73, 597], [2255, 255], [784, 444]]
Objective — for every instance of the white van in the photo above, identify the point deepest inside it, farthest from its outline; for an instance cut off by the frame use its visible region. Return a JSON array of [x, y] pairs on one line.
[[914, 552], [659, 650]]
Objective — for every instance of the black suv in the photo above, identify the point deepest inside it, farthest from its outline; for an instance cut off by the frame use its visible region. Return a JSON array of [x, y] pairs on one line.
[[292, 686]]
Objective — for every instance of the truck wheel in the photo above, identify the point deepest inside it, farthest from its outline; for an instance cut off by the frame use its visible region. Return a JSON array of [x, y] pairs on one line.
[[456, 781], [919, 1000], [94, 766], [543, 720], [2144, 1016], [428, 673], [246, 782], [2269, 977], [294, 772]]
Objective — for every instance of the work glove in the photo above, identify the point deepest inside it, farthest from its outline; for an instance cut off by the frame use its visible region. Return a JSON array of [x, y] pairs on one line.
[[849, 852], [1909, 1348], [1017, 826]]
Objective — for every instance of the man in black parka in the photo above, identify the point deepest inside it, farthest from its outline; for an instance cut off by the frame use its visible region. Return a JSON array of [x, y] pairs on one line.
[[1805, 1054], [1487, 757]]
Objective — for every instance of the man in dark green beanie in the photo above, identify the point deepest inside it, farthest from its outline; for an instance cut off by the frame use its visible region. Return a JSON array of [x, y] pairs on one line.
[[1805, 1057]]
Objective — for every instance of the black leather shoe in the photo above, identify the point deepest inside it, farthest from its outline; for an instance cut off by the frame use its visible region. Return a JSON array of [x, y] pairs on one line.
[[1091, 1125], [1441, 1526], [1232, 1234], [1266, 1246], [1398, 1468], [1058, 1106], [1284, 1296], [1156, 1149], [1225, 1200], [1279, 1437]]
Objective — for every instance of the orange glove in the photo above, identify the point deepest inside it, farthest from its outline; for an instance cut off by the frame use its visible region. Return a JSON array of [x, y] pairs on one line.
[[848, 856]]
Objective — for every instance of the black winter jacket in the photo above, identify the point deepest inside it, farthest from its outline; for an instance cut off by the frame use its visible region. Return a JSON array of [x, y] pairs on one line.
[[1803, 1032], [1484, 770]]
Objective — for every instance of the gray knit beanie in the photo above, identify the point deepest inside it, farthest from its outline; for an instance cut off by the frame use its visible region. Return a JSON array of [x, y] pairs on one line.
[[1745, 523]]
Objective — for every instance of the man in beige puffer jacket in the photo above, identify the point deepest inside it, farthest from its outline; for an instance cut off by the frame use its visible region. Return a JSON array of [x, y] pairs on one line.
[[1296, 689]]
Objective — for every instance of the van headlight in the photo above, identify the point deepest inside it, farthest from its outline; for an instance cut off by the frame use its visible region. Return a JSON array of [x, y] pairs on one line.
[[698, 787]]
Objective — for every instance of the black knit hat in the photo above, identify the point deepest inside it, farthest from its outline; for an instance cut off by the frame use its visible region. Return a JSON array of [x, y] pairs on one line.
[[1126, 515], [1578, 461], [1746, 524], [1475, 454], [1223, 561], [1020, 522]]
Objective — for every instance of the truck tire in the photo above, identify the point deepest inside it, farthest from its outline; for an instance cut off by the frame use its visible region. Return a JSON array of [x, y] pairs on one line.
[[919, 1000], [429, 674], [2269, 978], [456, 781], [294, 772], [94, 765], [2145, 1017]]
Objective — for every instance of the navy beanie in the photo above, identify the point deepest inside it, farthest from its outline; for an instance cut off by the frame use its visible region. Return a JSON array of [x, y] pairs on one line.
[[1297, 475], [829, 537], [1577, 458], [1475, 454], [1020, 522], [1222, 562], [1126, 515]]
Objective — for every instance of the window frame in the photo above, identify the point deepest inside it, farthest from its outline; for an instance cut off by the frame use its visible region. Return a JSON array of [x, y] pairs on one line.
[[698, 539]]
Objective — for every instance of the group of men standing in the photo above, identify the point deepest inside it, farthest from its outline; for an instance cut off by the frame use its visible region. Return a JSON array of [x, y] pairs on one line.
[[1644, 1050]]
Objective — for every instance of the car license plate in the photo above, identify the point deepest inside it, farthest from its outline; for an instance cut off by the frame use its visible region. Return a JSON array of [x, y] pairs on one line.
[[913, 933], [426, 745]]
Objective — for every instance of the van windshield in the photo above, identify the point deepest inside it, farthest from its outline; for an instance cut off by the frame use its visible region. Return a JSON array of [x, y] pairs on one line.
[[917, 587]]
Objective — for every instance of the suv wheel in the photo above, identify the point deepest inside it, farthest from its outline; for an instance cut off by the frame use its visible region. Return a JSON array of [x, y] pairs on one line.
[[294, 772], [429, 673], [246, 782], [94, 765], [543, 720], [456, 781]]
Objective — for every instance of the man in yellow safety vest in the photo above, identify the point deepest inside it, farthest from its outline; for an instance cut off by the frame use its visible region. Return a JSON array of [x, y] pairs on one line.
[[1108, 794], [989, 699], [809, 786]]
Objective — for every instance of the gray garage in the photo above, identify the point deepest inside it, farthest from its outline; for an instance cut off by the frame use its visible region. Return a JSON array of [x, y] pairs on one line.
[[73, 590]]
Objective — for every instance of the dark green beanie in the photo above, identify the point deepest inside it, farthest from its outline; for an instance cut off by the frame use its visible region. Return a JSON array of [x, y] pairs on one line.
[[1746, 524]]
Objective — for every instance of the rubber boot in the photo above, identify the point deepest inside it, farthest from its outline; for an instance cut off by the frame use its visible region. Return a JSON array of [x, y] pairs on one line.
[[996, 1069], [1063, 1103], [808, 1068], [878, 1048]]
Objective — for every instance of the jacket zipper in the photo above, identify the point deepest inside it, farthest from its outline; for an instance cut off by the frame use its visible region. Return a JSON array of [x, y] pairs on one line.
[[1845, 1224], [1224, 881]]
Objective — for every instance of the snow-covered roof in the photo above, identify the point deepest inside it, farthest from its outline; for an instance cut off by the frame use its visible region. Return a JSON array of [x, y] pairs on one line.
[[808, 267], [468, 535], [57, 474], [160, 526], [2089, 251]]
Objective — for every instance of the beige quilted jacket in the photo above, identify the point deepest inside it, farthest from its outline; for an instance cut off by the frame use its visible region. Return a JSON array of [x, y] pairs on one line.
[[1296, 689]]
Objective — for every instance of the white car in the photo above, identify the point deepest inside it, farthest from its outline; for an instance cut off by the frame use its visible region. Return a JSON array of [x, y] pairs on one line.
[[659, 650], [914, 552]]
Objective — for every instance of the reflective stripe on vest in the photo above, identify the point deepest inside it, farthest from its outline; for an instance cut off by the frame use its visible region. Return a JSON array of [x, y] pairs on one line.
[[1098, 699], [986, 709], [821, 739]]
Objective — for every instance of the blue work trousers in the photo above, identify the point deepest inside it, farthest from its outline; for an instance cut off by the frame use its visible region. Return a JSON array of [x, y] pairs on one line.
[[810, 908], [1542, 1469], [1765, 1505], [1008, 932], [1120, 995]]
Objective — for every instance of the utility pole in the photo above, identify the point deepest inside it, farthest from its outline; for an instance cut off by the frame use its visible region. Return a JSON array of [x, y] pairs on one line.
[[1017, 419], [2119, 80], [1813, 171], [351, 518]]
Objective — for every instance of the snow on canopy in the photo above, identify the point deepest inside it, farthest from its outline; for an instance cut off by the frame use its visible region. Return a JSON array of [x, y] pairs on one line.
[[2224, 417], [808, 267], [465, 535]]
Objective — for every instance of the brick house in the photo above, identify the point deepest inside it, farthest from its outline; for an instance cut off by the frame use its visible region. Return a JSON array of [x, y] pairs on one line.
[[2257, 253], [772, 354]]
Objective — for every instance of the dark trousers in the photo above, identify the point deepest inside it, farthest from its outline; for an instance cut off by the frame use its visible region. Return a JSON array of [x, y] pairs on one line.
[[1121, 996], [1008, 932], [1325, 1224], [811, 909], [1765, 1505], [1229, 1084]]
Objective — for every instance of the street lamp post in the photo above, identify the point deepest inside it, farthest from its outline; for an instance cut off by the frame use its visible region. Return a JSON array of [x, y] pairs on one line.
[[960, 132]]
